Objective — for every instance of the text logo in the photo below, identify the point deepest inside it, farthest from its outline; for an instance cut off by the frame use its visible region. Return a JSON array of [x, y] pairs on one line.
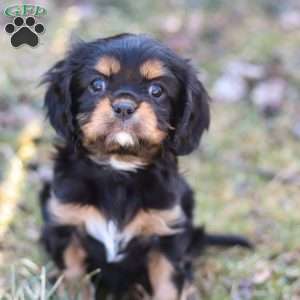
[[24, 29]]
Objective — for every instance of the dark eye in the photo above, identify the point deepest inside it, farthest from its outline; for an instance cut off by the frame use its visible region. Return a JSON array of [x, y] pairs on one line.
[[98, 85], [155, 90]]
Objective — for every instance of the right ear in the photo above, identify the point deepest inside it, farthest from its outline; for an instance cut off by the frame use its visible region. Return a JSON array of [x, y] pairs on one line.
[[58, 102]]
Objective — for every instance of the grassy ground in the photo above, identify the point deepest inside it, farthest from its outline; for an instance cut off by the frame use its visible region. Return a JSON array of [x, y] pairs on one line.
[[246, 175]]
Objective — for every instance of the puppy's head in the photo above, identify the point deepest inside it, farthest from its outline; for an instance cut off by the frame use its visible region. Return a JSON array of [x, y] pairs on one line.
[[127, 97]]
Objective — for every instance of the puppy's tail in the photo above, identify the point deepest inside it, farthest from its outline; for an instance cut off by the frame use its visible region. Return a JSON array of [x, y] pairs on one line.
[[227, 240], [200, 239]]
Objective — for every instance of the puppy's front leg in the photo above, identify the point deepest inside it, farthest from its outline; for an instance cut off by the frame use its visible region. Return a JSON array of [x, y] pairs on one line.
[[167, 281]]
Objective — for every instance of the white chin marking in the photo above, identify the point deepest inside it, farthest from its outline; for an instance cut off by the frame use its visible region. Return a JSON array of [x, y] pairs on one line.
[[124, 165], [124, 139]]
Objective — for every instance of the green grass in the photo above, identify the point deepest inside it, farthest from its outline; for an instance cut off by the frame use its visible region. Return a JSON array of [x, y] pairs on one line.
[[246, 176], [232, 196]]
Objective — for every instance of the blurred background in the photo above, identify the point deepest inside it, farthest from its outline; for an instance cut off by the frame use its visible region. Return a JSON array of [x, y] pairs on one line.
[[247, 173]]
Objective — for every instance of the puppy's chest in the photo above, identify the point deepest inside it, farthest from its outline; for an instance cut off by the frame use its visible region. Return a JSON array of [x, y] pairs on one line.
[[114, 232], [114, 238]]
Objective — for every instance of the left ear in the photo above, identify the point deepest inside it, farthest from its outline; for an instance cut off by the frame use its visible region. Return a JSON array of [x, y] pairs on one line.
[[58, 100], [195, 117]]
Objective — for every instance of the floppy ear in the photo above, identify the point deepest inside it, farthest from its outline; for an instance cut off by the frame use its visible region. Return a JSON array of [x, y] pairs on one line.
[[194, 118], [58, 100]]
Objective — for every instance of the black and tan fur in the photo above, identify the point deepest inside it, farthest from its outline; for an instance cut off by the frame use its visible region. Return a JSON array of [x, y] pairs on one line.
[[124, 108]]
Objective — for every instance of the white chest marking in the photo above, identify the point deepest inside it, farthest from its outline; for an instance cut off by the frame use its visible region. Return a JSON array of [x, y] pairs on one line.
[[108, 234], [96, 225]]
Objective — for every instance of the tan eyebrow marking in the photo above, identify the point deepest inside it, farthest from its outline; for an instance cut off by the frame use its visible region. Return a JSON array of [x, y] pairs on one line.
[[108, 65], [152, 68]]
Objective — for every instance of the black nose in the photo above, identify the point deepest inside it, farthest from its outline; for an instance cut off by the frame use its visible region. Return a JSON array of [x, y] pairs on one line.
[[124, 109]]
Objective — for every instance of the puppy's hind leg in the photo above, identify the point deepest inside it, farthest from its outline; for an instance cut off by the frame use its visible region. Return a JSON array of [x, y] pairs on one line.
[[63, 245]]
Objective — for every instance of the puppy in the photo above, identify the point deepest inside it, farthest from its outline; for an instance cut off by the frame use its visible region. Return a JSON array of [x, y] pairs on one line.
[[124, 108]]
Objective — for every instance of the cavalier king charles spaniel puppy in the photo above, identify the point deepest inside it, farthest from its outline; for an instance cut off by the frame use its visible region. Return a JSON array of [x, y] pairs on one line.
[[124, 108]]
